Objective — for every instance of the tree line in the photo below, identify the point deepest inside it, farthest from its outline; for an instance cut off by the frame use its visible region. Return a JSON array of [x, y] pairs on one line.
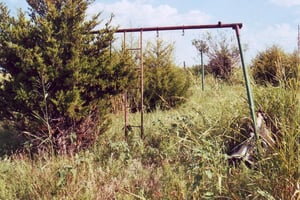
[[59, 79]]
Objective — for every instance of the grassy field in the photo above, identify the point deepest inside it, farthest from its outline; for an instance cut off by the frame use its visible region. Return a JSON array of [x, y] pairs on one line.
[[183, 155]]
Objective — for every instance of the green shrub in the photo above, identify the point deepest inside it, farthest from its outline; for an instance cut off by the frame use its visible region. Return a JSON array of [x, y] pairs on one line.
[[274, 66], [166, 86], [60, 77]]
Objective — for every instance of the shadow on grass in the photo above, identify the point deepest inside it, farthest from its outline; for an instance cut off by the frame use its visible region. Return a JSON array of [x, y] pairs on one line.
[[10, 140]]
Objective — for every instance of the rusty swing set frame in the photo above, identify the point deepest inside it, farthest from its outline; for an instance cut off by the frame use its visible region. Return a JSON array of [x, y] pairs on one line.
[[235, 26]]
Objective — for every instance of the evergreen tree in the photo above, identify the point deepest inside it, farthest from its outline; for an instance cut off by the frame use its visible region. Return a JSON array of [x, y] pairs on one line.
[[166, 85], [61, 76], [4, 24]]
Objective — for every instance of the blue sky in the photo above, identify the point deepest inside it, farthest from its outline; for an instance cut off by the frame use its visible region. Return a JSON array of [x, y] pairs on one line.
[[266, 22]]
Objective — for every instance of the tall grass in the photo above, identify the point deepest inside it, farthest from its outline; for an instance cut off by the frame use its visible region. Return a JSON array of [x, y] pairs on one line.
[[183, 155], [282, 168]]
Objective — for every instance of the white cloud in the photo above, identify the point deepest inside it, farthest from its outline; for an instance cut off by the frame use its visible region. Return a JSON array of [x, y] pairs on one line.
[[141, 14], [282, 35], [287, 3]]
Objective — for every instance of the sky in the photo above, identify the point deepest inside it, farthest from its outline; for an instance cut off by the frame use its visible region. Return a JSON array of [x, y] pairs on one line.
[[265, 22]]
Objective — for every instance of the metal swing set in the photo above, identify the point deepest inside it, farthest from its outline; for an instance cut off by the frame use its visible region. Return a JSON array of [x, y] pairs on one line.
[[235, 26]]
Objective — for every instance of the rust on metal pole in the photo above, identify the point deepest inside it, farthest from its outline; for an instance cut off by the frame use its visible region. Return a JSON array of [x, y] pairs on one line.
[[124, 41], [125, 115], [142, 83], [125, 96], [202, 70], [170, 28]]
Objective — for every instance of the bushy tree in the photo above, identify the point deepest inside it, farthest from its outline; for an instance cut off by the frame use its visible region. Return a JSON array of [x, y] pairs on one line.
[[166, 85], [274, 66], [4, 26], [222, 52], [60, 75]]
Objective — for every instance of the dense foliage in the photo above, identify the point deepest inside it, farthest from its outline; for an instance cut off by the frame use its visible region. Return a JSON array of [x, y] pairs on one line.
[[274, 66], [166, 85], [60, 76]]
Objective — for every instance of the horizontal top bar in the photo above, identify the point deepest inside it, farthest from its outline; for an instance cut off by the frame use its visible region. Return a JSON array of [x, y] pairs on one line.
[[168, 28]]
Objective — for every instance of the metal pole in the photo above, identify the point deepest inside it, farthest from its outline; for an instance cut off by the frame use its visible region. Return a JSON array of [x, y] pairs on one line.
[[170, 28], [125, 95], [249, 94], [247, 81], [202, 66], [142, 84], [125, 115]]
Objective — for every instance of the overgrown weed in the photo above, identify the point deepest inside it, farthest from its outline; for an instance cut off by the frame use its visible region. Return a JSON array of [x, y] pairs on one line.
[[183, 155]]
